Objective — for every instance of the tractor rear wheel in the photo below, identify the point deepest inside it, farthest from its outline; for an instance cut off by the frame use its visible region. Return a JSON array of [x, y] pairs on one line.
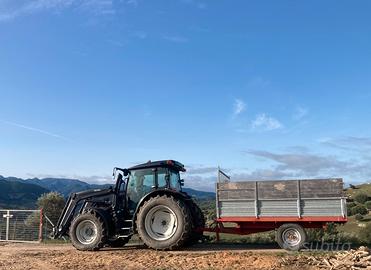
[[88, 231], [198, 223], [164, 223]]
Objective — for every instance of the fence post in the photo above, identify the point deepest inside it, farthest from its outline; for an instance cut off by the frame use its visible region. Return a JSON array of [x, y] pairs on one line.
[[41, 226], [7, 225]]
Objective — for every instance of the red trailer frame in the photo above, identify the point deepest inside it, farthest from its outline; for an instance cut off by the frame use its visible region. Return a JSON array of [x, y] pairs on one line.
[[250, 225]]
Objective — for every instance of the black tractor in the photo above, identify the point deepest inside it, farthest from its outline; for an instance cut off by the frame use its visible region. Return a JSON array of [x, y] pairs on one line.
[[147, 199]]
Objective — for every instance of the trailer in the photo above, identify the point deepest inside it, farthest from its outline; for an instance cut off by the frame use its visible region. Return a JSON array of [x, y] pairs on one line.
[[287, 206]]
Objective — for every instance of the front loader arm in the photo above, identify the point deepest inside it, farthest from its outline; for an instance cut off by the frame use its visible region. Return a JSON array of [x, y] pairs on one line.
[[69, 209]]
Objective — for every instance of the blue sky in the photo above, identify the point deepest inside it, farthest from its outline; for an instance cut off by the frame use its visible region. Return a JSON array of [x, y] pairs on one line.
[[265, 89]]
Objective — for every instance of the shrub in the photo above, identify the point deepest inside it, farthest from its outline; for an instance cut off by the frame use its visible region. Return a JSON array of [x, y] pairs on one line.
[[351, 205], [52, 204], [359, 209], [358, 217], [368, 205], [365, 234], [361, 197]]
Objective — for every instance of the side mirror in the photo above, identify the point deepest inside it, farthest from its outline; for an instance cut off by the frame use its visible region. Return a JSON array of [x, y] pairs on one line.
[[126, 172], [181, 182]]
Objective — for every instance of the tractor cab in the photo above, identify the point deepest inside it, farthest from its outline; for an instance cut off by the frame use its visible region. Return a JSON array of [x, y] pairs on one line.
[[138, 181]]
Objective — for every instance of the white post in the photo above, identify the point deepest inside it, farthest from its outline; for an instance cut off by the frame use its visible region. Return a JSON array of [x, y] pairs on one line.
[[7, 216]]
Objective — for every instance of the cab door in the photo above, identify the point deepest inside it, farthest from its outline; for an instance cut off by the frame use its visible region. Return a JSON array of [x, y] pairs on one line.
[[141, 182]]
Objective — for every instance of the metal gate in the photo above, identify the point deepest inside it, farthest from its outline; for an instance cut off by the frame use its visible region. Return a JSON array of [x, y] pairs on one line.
[[20, 225]]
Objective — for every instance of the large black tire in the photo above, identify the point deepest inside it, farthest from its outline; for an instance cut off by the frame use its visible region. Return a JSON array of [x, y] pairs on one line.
[[198, 223], [88, 232], [291, 236], [156, 223]]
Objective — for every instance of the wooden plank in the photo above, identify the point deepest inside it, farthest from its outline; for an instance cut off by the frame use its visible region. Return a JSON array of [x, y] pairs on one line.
[[277, 189]]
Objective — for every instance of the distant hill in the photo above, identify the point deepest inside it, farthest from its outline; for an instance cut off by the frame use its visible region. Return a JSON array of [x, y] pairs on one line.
[[61, 185], [23, 193], [15, 194], [201, 195], [361, 188]]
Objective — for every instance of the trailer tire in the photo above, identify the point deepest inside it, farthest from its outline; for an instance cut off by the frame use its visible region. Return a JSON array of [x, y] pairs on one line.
[[198, 223], [291, 236], [88, 231], [164, 223]]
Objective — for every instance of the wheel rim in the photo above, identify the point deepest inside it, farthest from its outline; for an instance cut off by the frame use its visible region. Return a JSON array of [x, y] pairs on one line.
[[86, 232], [161, 223], [291, 237]]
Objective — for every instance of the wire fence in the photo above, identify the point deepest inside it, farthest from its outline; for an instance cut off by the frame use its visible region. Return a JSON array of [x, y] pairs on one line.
[[20, 225]]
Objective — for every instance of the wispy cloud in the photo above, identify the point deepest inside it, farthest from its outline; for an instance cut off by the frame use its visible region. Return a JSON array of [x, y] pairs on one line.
[[265, 122], [140, 34], [34, 130], [258, 83], [349, 143], [300, 113], [116, 43], [176, 38], [196, 3], [20, 8], [9, 12], [307, 164], [239, 106], [132, 2]]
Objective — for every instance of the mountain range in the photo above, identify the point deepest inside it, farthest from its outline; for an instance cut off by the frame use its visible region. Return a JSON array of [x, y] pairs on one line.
[[23, 193]]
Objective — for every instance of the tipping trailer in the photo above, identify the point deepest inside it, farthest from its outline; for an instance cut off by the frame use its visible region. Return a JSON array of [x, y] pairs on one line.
[[287, 206]]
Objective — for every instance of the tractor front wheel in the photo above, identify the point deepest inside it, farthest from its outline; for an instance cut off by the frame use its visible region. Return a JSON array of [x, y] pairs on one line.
[[88, 232]]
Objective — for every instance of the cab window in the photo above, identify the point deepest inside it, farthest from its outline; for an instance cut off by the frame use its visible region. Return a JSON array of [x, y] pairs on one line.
[[141, 182], [175, 180], [161, 177]]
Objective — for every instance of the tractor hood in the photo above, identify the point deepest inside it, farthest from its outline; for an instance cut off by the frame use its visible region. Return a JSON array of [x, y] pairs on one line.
[[93, 192]]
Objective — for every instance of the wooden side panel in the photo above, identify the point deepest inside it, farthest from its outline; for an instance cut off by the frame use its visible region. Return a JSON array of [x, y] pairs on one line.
[[321, 188], [277, 189], [300, 198]]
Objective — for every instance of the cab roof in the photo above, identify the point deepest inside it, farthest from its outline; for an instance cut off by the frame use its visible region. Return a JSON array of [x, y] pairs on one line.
[[160, 163]]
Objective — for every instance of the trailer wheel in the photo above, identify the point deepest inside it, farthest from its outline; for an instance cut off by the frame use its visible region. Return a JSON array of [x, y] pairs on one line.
[[88, 232], [291, 236], [163, 223]]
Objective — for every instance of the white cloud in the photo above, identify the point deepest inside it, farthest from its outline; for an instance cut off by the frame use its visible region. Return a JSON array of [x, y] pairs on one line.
[[264, 122], [300, 113], [10, 10], [132, 2], [239, 106], [140, 34]]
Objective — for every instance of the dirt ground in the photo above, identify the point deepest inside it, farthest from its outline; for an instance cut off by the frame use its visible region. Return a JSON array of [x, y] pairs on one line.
[[212, 256]]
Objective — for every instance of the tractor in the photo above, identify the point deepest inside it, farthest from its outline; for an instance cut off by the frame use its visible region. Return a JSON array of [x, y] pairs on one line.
[[147, 200]]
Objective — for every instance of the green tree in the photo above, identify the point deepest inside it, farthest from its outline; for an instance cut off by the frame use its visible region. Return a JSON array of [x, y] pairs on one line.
[[359, 209], [351, 204], [368, 205], [361, 197], [52, 204], [365, 234]]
